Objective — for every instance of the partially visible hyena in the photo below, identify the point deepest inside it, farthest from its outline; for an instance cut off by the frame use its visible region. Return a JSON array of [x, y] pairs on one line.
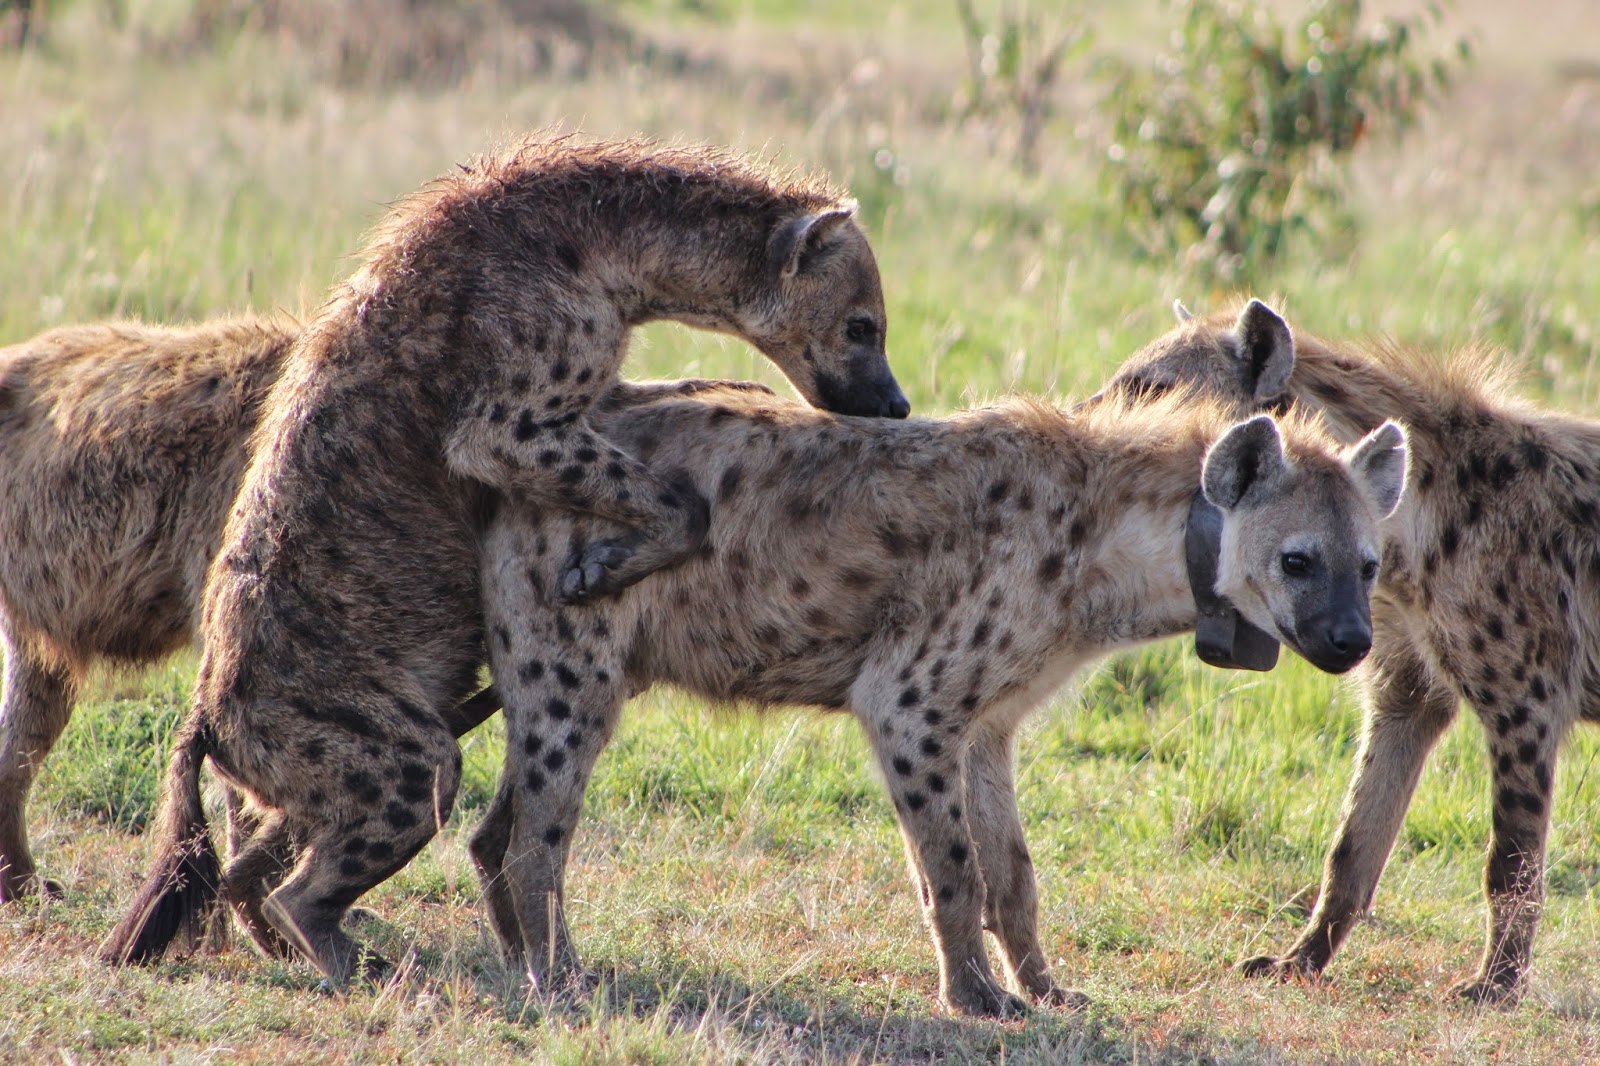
[[1490, 594], [938, 580], [121, 450], [454, 370]]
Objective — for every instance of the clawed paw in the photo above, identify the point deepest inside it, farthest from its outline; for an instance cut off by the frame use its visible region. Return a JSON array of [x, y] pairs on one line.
[[587, 575], [1486, 992]]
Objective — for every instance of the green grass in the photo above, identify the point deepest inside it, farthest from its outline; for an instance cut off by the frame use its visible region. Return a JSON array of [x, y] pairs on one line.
[[738, 880]]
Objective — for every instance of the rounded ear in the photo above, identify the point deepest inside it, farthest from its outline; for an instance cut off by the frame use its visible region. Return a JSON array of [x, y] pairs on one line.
[[1267, 349], [1248, 456], [1378, 462], [796, 240], [1180, 312]]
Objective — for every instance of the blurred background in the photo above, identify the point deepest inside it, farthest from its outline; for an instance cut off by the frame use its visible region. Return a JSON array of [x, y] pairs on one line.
[[1041, 179]]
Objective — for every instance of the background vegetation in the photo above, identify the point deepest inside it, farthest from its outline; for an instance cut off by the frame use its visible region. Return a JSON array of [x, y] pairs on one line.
[[740, 880]]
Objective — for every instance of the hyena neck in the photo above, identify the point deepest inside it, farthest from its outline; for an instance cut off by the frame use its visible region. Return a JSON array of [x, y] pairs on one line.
[[1136, 578]]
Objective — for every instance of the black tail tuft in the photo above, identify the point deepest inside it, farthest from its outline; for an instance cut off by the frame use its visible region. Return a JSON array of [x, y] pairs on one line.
[[185, 877]]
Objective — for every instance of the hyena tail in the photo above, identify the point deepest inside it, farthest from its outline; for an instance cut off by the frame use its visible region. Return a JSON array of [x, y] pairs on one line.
[[184, 880]]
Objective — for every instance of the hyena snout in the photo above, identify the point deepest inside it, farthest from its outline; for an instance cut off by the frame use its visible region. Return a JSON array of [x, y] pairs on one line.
[[1337, 640], [867, 388]]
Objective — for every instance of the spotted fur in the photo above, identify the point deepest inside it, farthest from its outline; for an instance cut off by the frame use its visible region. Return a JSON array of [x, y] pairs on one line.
[[937, 580], [1490, 593], [456, 367]]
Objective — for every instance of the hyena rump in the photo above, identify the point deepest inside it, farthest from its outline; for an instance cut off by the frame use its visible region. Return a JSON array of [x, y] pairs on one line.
[[121, 449], [1498, 486], [456, 368], [938, 580]]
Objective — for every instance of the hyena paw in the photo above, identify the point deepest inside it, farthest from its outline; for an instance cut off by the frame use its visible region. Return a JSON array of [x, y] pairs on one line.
[[982, 997], [1067, 999], [1486, 992], [1284, 968], [590, 573], [31, 885]]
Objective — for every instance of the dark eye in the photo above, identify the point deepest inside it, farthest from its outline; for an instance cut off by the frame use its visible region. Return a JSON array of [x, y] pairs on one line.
[[1296, 564], [1369, 570], [860, 330]]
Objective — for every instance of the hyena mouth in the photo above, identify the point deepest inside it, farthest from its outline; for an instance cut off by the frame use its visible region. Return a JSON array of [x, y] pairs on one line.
[[874, 398]]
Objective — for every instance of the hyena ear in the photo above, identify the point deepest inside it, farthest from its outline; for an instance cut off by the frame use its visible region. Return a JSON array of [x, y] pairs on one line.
[[1248, 456], [796, 241], [1180, 312], [1267, 350], [1379, 462]]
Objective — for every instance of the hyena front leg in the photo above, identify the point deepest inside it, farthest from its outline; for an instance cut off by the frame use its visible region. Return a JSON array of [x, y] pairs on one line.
[[538, 447], [1523, 741], [922, 765], [34, 710], [1010, 902], [560, 679], [1407, 711]]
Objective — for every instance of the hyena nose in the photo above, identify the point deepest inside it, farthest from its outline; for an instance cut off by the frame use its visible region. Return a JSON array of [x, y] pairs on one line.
[[1350, 640], [896, 406]]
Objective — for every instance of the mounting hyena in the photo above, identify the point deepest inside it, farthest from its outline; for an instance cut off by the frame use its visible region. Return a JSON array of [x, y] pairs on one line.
[[1497, 483], [937, 579], [454, 372], [121, 450]]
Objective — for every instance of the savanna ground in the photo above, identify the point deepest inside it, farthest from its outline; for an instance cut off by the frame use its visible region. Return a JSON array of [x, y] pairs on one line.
[[739, 881]]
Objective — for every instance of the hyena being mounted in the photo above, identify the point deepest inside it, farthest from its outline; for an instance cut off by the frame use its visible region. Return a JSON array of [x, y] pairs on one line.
[[1490, 594], [343, 615], [938, 580], [121, 450]]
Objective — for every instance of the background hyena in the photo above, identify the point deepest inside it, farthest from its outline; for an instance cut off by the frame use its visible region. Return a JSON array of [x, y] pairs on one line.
[[343, 614], [1490, 594], [938, 579], [121, 449]]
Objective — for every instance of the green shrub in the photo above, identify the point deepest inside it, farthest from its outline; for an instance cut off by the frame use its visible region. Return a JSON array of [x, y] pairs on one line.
[[1238, 136]]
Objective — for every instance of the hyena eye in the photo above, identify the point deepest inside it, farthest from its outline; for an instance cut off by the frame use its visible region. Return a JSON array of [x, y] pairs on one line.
[[1369, 570], [860, 330], [1296, 564]]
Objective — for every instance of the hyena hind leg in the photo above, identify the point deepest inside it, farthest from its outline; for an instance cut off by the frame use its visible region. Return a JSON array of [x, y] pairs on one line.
[[36, 705]]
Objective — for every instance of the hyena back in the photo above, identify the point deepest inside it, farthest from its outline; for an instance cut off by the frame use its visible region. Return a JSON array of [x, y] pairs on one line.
[[457, 368], [1497, 483], [937, 579]]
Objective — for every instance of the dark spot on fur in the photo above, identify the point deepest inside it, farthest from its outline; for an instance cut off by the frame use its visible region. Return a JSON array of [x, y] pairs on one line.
[[916, 800], [558, 709], [935, 783], [958, 853], [565, 675], [553, 835], [399, 815], [980, 633], [1050, 567], [363, 786], [1504, 763], [902, 765], [555, 759], [350, 866], [531, 744], [530, 671], [1537, 689], [946, 893], [909, 697], [534, 780], [930, 746], [526, 425], [998, 491], [313, 751]]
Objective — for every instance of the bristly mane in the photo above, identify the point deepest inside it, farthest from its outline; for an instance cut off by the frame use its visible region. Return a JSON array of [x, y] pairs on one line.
[[627, 175]]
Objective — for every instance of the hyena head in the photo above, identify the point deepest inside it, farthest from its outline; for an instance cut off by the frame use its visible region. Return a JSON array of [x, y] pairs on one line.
[[1246, 363], [820, 316], [1300, 540]]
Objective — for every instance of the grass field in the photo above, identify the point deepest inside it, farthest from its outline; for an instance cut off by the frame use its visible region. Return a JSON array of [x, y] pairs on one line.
[[739, 881]]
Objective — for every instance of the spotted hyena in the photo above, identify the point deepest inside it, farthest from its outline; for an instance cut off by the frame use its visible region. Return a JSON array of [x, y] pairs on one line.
[[453, 371], [938, 580], [121, 450], [1490, 594]]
